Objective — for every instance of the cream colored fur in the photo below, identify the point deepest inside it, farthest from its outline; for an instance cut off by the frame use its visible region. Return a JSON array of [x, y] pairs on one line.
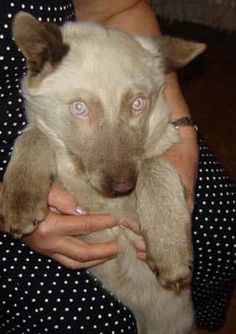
[[100, 67]]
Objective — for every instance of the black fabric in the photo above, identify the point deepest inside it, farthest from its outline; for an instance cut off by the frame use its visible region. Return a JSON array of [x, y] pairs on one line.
[[39, 296], [214, 221]]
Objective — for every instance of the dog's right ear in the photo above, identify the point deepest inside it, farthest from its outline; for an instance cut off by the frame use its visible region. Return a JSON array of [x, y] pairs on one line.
[[176, 52], [41, 43], [179, 52]]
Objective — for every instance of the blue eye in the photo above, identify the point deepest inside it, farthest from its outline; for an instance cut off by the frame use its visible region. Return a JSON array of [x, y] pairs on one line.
[[79, 109], [138, 105]]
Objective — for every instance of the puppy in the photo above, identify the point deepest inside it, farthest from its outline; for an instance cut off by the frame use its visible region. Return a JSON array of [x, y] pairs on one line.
[[99, 126]]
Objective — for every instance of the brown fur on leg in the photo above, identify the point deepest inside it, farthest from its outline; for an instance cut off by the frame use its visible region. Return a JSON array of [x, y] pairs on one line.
[[27, 183]]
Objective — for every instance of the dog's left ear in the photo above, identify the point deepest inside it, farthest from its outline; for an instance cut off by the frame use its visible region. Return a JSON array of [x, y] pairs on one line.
[[176, 52]]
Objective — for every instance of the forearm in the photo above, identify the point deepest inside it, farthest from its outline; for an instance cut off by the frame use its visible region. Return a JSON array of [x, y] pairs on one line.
[[135, 18], [1, 190]]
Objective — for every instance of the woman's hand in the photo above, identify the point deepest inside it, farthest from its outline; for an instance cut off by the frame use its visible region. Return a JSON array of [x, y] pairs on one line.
[[56, 235], [137, 239]]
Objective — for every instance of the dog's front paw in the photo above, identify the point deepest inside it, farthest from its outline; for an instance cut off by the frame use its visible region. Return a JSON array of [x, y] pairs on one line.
[[175, 275], [173, 268], [174, 278], [21, 211]]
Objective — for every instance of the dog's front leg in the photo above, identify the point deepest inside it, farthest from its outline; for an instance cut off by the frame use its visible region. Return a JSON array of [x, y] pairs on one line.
[[27, 183], [165, 222]]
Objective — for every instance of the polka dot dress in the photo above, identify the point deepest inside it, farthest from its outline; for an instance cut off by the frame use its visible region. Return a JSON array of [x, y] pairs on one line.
[[214, 227], [39, 296]]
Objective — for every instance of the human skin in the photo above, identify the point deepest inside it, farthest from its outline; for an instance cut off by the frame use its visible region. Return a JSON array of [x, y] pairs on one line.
[[56, 235]]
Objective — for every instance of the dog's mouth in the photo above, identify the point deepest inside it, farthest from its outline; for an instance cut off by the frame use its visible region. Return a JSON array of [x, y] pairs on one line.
[[115, 188]]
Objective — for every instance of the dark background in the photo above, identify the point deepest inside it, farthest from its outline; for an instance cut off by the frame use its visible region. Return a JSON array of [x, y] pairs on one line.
[[209, 87]]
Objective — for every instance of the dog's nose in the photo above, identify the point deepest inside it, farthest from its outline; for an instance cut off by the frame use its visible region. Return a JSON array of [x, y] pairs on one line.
[[119, 188]]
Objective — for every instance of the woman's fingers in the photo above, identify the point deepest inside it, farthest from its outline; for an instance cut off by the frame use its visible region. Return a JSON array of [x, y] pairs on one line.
[[142, 256], [133, 226], [139, 244], [81, 251], [57, 234], [81, 225], [138, 240]]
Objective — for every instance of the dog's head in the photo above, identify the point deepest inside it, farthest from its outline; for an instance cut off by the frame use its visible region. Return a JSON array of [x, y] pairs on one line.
[[99, 93]]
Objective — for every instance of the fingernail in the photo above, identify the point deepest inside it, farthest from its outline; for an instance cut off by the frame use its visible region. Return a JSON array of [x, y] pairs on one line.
[[81, 211]]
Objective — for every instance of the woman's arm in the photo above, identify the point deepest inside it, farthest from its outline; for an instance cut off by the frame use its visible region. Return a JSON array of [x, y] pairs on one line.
[[137, 18]]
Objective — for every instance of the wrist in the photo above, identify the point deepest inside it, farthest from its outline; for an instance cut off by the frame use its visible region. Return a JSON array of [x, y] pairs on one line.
[[188, 132], [185, 121], [185, 126]]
